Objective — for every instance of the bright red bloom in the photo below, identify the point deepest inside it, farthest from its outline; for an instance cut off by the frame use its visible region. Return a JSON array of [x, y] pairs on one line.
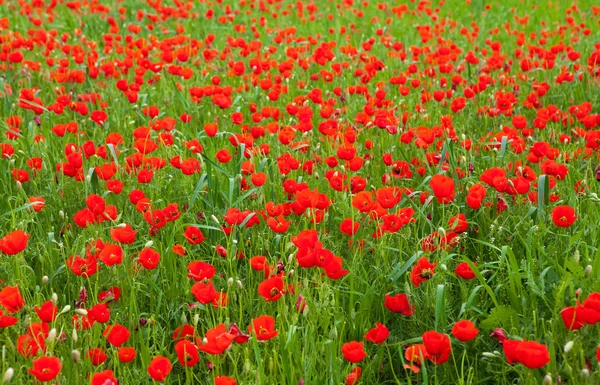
[[399, 304], [414, 355], [159, 368], [217, 340], [438, 346], [443, 188], [464, 330], [464, 271], [116, 335], [104, 378], [193, 235], [187, 353], [271, 289], [11, 300], [354, 351], [563, 216], [422, 271], [263, 327], [47, 312], [378, 334], [126, 354], [224, 380], [46, 368], [14, 242]]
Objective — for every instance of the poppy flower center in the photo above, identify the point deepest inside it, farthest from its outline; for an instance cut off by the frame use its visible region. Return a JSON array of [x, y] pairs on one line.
[[274, 291], [426, 273]]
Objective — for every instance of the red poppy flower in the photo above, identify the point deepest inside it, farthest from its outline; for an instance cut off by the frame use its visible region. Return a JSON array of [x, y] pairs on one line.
[[353, 377], [104, 378], [11, 300], [116, 335], [159, 368], [563, 216], [464, 330], [378, 334], [263, 327], [124, 234], [532, 354], [216, 341], [14, 242], [399, 304], [271, 289], [422, 271], [193, 235], [354, 351], [97, 356], [443, 188], [47, 312], [46, 368], [464, 271], [224, 380], [414, 355], [438, 346], [187, 353], [126, 354]]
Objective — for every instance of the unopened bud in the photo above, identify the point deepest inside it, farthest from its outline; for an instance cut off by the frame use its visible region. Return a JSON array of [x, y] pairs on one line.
[[230, 282], [61, 214], [183, 318], [81, 311], [239, 283], [19, 185], [149, 244], [54, 298], [588, 271], [204, 341], [576, 256], [51, 336], [585, 373], [291, 272], [74, 335], [488, 355], [45, 279], [8, 375], [548, 379], [215, 219], [75, 355], [569, 346], [196, 319]]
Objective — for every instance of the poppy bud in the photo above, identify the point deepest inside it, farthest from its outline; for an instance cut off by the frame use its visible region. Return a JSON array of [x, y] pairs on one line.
[[230, 282], [196, 319], [214, 218], [577, 293], [19, 185], [149, 244], [548, 379], [239, 283], [588, 270], [488, 355], [585, 373], [51, 336], [81, 311], [75, 355], [569, 346], [183, 318], [45, 279], [61, 214], [8, 375], [54, 298], [74, 335], [576, 257], [65, 309]]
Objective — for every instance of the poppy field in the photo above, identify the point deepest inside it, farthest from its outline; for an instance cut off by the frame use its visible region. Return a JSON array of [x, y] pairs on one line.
[[299, 192]]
